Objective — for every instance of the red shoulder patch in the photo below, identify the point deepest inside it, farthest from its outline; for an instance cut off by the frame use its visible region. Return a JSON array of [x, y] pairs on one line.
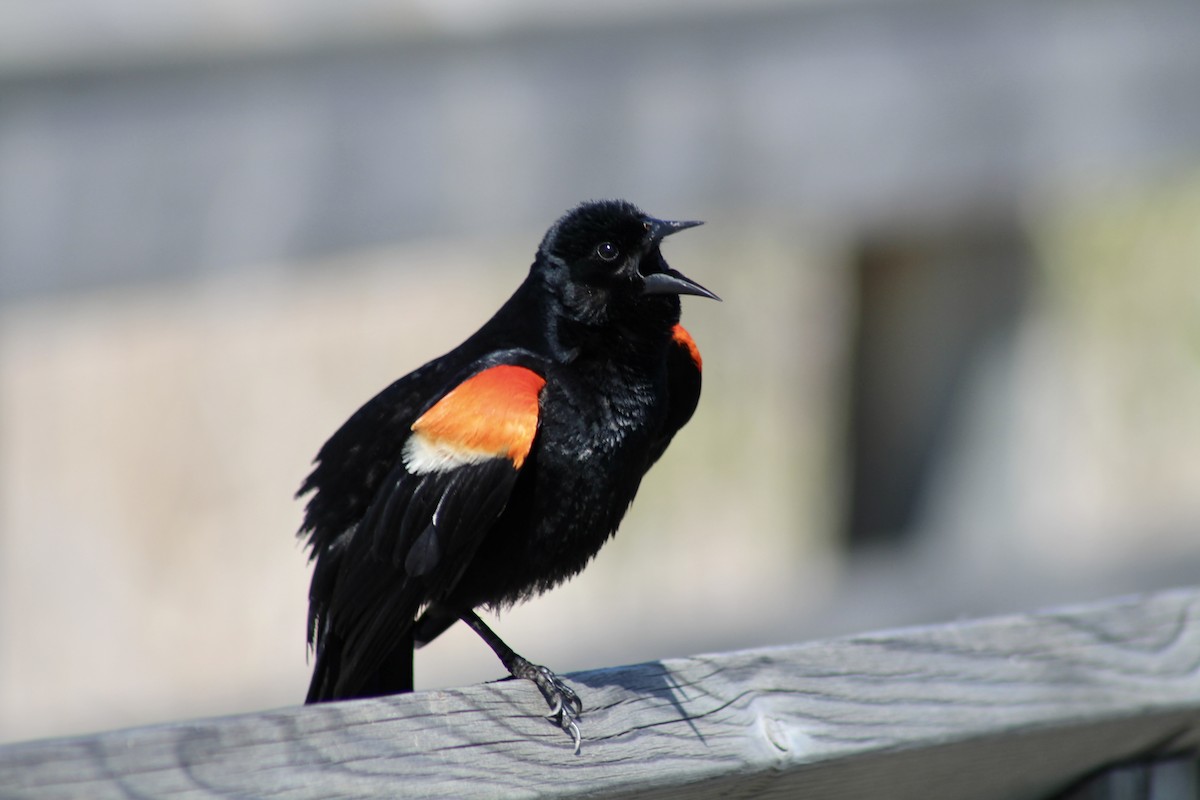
[[492, 414], [685, 340]]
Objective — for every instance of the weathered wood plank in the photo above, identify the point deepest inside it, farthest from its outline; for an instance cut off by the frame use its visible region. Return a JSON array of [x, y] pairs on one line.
[[1012, 707]]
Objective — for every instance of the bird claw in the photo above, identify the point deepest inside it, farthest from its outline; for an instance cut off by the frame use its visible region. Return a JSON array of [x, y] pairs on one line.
[[573, 729], [566, 715], [565, 705]]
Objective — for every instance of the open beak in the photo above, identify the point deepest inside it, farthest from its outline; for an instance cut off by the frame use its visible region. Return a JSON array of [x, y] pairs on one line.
[[660, 229], [670, 281]]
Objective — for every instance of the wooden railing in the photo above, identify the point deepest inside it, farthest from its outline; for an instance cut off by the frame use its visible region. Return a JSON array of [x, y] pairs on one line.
[[1079, 702]]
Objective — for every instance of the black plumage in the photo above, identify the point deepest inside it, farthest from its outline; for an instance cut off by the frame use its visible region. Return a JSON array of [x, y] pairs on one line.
[[498, 470]]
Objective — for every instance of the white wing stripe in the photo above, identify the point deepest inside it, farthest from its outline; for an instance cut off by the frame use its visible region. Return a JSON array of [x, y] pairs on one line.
[[423, 455]]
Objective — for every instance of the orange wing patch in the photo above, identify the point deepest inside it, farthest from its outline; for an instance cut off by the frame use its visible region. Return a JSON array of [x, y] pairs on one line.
[[685, 340], [492, 414]]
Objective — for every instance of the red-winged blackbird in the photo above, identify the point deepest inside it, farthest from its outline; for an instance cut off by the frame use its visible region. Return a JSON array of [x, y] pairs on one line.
[[497, 471]]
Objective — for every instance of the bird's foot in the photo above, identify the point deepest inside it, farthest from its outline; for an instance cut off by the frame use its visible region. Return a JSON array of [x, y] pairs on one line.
[[565, 705]]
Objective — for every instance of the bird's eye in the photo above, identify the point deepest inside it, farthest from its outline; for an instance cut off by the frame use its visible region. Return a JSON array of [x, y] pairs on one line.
[[607, 251]]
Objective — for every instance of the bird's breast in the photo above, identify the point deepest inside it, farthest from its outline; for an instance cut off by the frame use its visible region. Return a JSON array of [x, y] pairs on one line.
[[593, 449], [593, 445]]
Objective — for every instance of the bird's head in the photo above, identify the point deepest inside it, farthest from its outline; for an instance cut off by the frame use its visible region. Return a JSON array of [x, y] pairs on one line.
[[603, 261]]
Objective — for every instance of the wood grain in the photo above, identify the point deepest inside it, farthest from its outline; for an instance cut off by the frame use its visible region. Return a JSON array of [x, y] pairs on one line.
[[1012, 707]]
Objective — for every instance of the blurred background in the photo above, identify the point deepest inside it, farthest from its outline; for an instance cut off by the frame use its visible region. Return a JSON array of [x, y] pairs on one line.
[[956, 372]]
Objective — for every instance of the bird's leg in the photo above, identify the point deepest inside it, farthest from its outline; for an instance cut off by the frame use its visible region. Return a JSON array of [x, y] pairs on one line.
[[565, 705]]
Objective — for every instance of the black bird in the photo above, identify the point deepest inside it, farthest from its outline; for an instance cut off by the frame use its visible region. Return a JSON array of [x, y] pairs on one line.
[[497, 471]]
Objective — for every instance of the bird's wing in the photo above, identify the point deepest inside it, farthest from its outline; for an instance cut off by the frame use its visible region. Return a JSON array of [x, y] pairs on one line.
[[448, 483], [683, 388]]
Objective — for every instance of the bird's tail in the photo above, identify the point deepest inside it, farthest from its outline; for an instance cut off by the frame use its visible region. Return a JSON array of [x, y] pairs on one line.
[[332, 681]]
